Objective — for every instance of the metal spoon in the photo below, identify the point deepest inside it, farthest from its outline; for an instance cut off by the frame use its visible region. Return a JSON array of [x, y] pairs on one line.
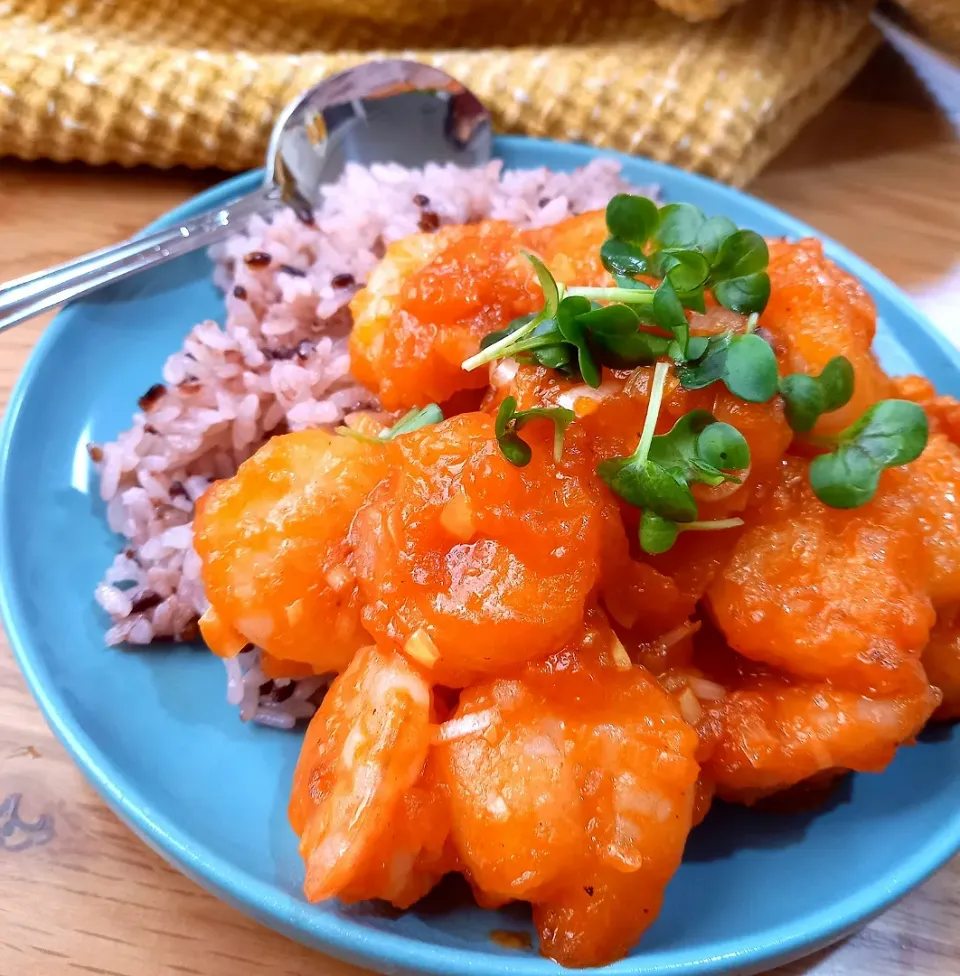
[[382, 111]]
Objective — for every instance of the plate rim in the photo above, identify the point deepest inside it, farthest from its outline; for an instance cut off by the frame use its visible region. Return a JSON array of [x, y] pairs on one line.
[[341, 936]]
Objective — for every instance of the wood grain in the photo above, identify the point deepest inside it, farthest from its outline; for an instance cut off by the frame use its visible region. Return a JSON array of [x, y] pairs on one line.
[[879, 170]]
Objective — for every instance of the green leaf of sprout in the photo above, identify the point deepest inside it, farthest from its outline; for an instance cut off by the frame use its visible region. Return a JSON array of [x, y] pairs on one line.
[[413, 420], [624, 281], [648, 485], [708, 367], [569, 321], [745, 363], [740, 254], [621, 258], [670, 315], [557, 356], [803, 401], [723, 448], [657, 534], [807, 397], [687, 270], [700, 449], [750, 369], [836, 381], [679, 226], [632, 218], [712, 234], [694, 300], [892, 432], [744, 295], [551, 291], [509, 421], [616, 340], [889, 434], [512, 447]]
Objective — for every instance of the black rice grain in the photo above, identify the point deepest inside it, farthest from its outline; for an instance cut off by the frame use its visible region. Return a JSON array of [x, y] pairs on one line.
[[149, 399], [429, 221], [257, 259]]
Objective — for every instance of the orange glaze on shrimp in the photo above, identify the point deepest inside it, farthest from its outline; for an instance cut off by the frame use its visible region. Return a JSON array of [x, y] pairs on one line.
[[817, 311], [764, 732], [941, 660], [942, 411], [571, 248], [273, 545], [471, 564], [366, 802], [826, 593], [578, 796], [428, 304]]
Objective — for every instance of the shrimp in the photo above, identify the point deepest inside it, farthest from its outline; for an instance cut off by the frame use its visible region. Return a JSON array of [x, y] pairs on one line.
[[930, 500], [371, 815], [817, 311], [768, 732], [578, 795], [275, 562], [571, 248], [471, 564], [829, 594], [941, 660], [428, 304], [640, 600], [943, 411]]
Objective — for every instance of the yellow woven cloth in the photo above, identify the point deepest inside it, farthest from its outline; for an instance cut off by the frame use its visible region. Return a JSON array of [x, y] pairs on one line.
[[170, 81], [937, 20]]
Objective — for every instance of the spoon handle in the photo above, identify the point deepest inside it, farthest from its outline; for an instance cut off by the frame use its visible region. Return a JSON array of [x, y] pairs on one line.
[[25, 297]]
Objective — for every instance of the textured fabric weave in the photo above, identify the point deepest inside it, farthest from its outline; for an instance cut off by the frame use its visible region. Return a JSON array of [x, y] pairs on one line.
[[169, 81], [937, 20]]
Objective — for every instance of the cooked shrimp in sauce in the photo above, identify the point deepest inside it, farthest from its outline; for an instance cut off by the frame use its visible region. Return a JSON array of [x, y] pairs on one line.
[[609, 566], [577, 795], [273, 540], [459, 552]]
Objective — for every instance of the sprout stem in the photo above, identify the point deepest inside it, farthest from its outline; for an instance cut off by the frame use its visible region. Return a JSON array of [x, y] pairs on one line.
[[730, 523], [629, 296], [653, 410], [495, 350]]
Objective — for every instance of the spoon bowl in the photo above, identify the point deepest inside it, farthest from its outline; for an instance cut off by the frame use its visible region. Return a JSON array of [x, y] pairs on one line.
[[380, 111], [386, 111]]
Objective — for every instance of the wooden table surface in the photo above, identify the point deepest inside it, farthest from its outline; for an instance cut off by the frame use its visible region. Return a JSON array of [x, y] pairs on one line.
[[879, 170]]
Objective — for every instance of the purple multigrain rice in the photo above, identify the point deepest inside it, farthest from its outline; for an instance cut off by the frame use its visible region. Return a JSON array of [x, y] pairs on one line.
[[279, 363]]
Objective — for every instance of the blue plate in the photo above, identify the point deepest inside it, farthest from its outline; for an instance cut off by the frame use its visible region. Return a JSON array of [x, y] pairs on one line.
[[153, 733]]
